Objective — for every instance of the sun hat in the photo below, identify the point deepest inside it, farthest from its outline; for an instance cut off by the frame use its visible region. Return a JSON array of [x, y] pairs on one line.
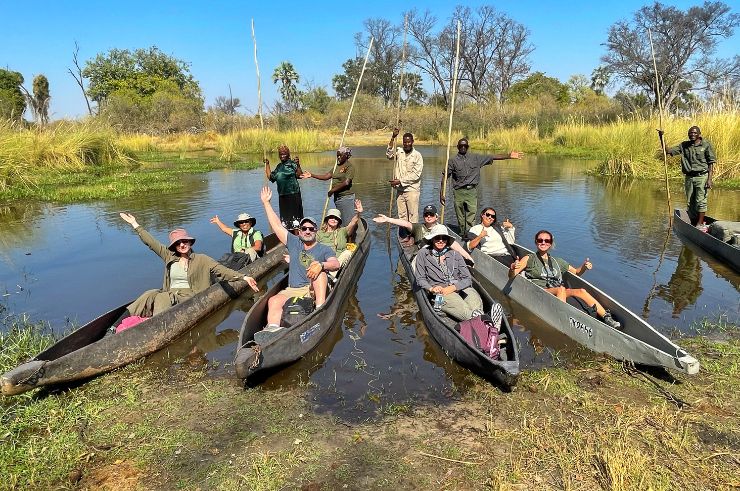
[[177, 235], [245, 217], [436, 231], [333, 212]]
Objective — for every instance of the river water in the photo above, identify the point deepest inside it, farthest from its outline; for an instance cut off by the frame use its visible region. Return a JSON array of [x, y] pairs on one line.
[[66, 264]]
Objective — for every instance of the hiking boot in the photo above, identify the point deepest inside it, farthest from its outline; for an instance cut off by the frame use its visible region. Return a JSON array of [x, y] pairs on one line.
[[610, 321], [270, 332]]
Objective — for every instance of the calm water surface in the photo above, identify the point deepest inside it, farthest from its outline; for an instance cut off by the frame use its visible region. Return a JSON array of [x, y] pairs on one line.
[[68, 263]]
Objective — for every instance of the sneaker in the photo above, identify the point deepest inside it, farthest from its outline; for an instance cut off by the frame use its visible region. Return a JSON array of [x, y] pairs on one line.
[[270, 332], [476, 313], [610, 321], [497, 315]]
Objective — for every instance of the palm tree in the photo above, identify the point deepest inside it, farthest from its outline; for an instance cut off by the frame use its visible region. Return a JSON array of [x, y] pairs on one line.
[[288, 78]]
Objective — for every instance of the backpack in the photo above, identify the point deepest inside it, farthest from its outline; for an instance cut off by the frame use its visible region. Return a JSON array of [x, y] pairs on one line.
[[481, 333], [295, 309]]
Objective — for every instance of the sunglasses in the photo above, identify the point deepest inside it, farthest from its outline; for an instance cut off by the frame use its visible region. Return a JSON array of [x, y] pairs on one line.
[[308, 229], [183, 242], [428, 214], [439, 238], [489, 215], [543, 241]]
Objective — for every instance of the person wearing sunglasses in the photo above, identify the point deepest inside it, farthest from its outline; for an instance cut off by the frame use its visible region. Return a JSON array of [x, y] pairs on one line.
[[335, 236], [186, 272], [441, 270], [493, 238], [341, 185], [309, 261], [546, 271], [246, 241], [463, 171], [430, 215]]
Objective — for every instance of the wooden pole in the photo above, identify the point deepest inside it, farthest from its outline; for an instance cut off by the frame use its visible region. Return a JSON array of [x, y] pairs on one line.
[[449, 129], [660, 129], [259, 97], [398, 109], [346, 124]]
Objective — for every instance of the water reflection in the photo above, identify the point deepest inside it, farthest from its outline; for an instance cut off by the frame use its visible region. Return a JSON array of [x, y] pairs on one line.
[[684, 286]]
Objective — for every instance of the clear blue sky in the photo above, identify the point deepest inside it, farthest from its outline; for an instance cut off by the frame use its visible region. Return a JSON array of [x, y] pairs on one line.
[[317, 37]]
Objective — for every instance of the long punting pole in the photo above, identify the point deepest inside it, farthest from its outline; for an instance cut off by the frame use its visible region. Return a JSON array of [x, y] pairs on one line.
[[449, 129], [259, 96], [398, 109], [660, 130], [346, 124]]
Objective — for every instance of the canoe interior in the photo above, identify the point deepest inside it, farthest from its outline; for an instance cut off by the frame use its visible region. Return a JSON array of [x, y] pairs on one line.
[[719, 250], [96, 329]]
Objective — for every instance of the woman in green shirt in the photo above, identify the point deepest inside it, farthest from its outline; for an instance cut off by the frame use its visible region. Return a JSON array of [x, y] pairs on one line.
[[335, 236], [286, 175]]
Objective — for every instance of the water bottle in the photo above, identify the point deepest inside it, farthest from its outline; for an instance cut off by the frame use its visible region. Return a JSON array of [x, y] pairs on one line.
[[439, 301]]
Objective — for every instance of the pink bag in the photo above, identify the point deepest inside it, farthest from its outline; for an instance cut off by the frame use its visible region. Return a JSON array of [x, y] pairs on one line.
[[481, 333], [130, 322]]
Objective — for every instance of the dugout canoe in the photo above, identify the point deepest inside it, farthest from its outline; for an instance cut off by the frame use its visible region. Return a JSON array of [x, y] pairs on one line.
[[637, 341], [305, 334], [444, 333], [88, 352], [722, 251]]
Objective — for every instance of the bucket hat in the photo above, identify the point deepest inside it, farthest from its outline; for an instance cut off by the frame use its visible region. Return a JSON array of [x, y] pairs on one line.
[[333, 212], [245, 217], [177, 235]]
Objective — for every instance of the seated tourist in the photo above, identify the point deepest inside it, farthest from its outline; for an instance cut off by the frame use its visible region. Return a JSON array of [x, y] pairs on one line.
[[493, 239], [335, 236], [546, 271], [441, 270]]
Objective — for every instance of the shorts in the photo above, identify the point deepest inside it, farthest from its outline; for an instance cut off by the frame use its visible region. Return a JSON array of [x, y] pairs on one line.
[[300, 292]]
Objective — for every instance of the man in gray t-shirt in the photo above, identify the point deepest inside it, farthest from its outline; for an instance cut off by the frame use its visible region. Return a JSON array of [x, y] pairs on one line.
[[464, 172]]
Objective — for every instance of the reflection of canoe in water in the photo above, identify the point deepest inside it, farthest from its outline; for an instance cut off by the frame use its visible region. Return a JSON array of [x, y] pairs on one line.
[[637, 341], [442, 329], [722, 251], [87, 351], [304, 335]]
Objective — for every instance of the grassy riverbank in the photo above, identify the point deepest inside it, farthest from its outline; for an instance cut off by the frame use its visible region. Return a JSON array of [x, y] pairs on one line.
[[586, 425]]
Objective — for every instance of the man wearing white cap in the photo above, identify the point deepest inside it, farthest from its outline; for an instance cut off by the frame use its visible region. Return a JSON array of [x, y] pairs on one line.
[[309, 263]]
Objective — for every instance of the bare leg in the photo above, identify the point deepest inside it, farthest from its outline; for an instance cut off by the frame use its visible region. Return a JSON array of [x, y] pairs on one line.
[[275, 309], [700, 217], [586, 297], [319, 289], [559, 292]]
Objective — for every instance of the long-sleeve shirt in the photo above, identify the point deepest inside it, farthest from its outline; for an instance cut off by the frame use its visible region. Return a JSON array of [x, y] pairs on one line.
[[409, 168], [465, 169], [695, 159], [431, 272]]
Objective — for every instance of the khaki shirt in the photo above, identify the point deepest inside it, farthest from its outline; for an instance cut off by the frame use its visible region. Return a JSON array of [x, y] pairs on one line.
[[408, 170]]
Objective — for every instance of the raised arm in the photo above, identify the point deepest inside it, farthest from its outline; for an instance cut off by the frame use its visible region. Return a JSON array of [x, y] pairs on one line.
[[395, 221], [352, 225], [518, 266], [390, 152], [272, 218], [221, 225], [156, 246], [584, 267]]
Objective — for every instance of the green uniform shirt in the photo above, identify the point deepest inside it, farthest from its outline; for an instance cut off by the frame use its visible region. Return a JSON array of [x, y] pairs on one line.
[[541, 275], [695, 159], [343, 172], [284, 175]]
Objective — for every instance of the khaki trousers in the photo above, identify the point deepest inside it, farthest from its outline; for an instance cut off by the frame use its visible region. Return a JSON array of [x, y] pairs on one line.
[[407, 204]]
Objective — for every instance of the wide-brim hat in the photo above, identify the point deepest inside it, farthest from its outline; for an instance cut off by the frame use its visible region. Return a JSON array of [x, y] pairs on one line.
[[333, 212], [436, 231], [245, 217], [177, 235]]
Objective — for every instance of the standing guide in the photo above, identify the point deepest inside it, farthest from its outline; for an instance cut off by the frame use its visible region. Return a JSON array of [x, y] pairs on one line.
[[407, 176], [341, 186], [464, 170], [286, 175], [697, 160]]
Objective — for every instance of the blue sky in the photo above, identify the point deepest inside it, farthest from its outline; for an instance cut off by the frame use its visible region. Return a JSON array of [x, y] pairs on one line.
[[317, 37]]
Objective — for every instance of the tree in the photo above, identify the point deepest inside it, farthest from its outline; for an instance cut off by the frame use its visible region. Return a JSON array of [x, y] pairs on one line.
[[344, 84], [536, 86], [12, 102], [684, 44], [315, 99], [288, 79], [432, 53], [600, 79], [578, 88], [144, 71], [385, 57], [79, 78], [40, 99]]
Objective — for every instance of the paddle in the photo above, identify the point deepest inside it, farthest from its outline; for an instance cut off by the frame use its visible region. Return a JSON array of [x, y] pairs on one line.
[[660, 130]]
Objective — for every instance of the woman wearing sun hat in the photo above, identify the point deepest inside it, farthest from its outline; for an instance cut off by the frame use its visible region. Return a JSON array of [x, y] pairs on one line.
[[336, 236], [244, 238], [185, 274], [442, 270]]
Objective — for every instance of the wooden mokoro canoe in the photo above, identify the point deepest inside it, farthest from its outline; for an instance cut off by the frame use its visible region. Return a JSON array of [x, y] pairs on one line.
[[303, 336], [87, 351], [722, 251], [637, 341], [443, 331]]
